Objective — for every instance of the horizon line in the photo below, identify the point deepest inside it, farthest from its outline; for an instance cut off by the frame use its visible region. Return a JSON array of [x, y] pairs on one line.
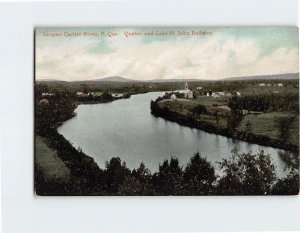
[[149, 80]]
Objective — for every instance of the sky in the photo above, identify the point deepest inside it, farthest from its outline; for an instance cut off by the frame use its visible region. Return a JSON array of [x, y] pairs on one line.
[[73, 54]]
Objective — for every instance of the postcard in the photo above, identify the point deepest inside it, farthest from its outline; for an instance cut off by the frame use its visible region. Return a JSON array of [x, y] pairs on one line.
[[162, 111]]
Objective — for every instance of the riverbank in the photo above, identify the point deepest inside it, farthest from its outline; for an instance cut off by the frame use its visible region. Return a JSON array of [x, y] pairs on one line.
[[84, 175], [86, 178], [185, 118]]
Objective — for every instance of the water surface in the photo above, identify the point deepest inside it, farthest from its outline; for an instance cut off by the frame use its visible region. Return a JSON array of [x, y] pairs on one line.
[[126, 128]]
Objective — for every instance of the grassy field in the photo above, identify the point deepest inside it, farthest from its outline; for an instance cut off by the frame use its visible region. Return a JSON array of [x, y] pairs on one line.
[[256, 90], [264, 124], [47, 159], [261, 124], [185, 108]]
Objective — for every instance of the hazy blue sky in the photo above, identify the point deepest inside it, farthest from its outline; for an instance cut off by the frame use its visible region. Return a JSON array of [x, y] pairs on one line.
[[226, 52]]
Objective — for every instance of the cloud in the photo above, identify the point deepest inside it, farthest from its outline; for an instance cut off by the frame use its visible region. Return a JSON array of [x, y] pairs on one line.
[[213, 58]]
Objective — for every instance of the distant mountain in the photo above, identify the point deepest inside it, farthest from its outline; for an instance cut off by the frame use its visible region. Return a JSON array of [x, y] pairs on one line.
[[175, 80], [291, 76], [49, 81], [115, 79]]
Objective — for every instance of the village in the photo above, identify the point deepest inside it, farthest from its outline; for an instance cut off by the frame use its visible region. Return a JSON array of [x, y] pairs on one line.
[[215, 100], [204, 104]]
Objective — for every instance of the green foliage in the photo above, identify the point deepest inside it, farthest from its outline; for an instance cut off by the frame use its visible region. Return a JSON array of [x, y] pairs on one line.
[[243, 174], [247, 174], [290, 159], [199, 176], [115, 174], [236, 116], [106, 95], [284, 125], [267, 102], [249, 126], [168, 181], [288, 185]]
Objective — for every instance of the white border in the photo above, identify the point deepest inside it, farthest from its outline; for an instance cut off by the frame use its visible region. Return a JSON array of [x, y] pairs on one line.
[[24, 213]]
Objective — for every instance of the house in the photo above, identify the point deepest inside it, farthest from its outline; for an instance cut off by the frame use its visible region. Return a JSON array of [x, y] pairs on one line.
[[47, 94], [188, 94], [261, 84], [228, 94], [117, 95], [81, 94], [44, 101], [218, 94], [215, 94], [173, 97], [245, 111], [199, 88], [280, 85], [238, 93]]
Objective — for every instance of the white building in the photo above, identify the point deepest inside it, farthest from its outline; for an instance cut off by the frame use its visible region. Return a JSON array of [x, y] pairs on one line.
[[218, 94], [47, 94], [173, 97], [81, 94], [117, 95], [199, 88], [261, 84], [280, 85], [44, 101], [188, 94]]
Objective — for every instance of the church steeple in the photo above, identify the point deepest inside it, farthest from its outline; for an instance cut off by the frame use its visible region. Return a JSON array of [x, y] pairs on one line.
[[186, 86]]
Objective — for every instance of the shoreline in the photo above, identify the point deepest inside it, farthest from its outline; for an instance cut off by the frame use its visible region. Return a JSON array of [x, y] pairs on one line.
[[87, 176], [191, 122]]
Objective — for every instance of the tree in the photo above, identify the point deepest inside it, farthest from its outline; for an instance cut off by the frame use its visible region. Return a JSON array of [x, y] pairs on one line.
[[284, 124], [168, 180], [288, 185], [199, 176], [115, 173], [247, 174], [249, 126], [106, 95]]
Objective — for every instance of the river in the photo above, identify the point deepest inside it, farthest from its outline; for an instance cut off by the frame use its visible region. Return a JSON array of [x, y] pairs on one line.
[[126, 128]]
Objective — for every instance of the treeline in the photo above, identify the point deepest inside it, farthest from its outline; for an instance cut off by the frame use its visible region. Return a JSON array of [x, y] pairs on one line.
[[232, 122], [267, 102], [71, 95], [189, 120], [53, 111], [242, 174]]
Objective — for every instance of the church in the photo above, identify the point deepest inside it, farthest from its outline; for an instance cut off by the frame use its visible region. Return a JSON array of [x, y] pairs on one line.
[[188, 94]]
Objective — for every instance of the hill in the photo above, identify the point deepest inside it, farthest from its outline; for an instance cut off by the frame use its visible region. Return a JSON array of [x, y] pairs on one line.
[[291, 76], [115, 79]]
